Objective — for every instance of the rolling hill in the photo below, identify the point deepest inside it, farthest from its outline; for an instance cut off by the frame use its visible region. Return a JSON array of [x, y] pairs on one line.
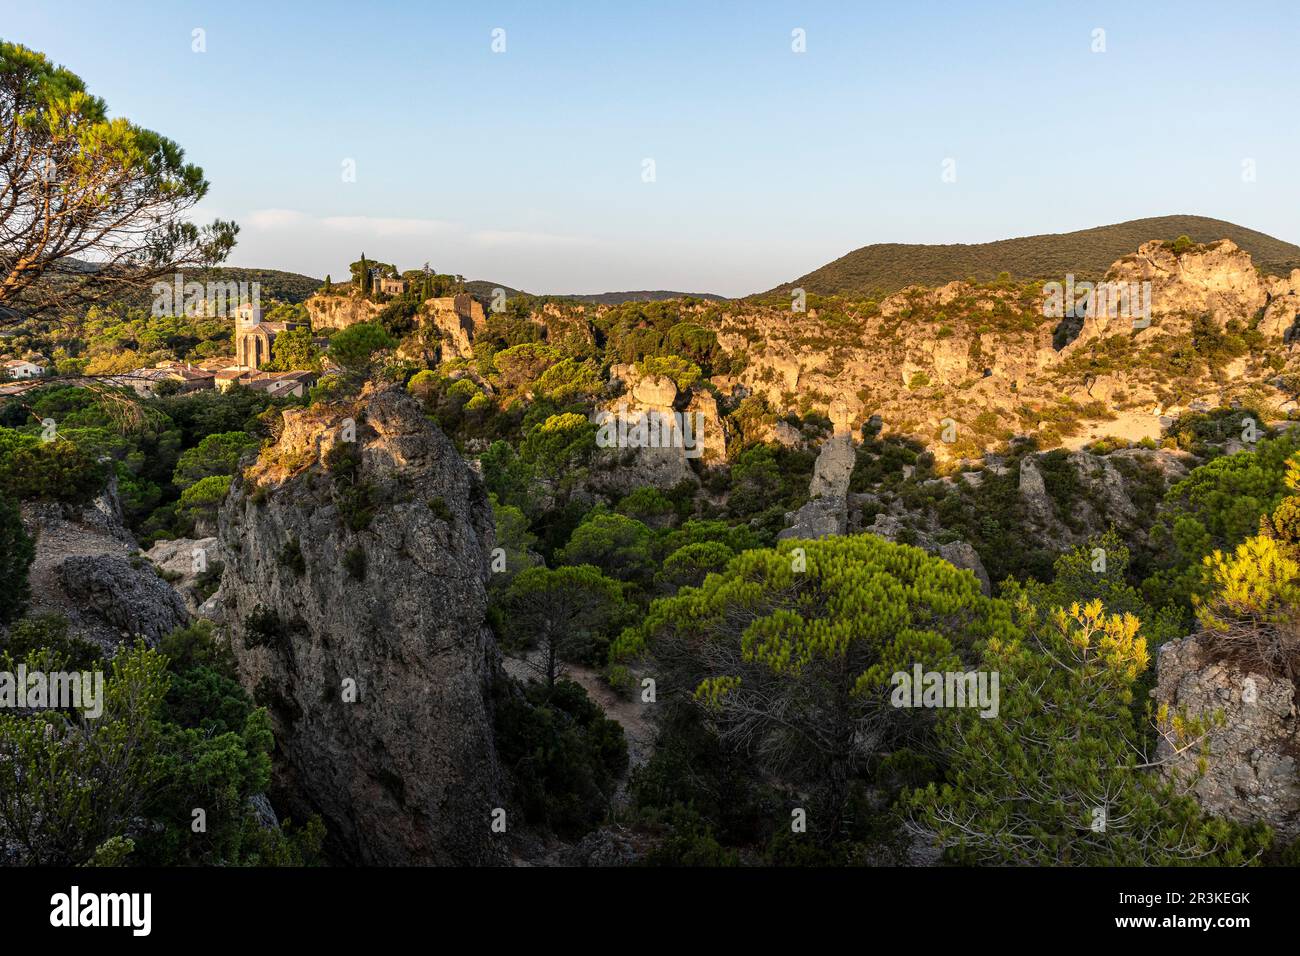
[[483, 288], [275, 284], [887, 267]]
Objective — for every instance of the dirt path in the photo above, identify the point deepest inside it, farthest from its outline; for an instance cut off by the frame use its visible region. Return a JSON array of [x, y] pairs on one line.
[[631, 714]]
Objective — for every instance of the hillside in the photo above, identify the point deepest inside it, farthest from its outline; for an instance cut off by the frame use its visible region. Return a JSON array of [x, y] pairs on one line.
[[887, 267], [282, 286], [482, 287]]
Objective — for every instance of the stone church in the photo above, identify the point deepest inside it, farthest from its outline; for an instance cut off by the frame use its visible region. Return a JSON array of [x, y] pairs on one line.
[[254, 338]]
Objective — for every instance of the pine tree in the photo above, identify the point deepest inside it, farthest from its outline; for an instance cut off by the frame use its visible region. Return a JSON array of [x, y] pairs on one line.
[[790, 654], [1060, 776]]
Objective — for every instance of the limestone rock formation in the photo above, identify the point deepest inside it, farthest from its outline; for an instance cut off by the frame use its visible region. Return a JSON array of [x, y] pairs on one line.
[[182, 561], [458, 318], [827, 510], [1034, 492], [1103, 493], [1250, 761], [818, 518], [340, 311], [656, 391], [833, 468], [359, 567], [1218, 279], [649, 440], [961, 555], [128, 597], [87, 569], [712, 430], [983, 353], [1283, 308]]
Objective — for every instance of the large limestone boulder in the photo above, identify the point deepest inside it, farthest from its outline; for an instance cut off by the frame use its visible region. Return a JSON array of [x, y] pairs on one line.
[[657, 391], [360, 568], [125, 596], [88, 570], [1034, 492]]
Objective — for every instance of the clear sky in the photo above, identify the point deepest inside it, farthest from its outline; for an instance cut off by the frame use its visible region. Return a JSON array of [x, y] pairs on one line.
[[526, 167]]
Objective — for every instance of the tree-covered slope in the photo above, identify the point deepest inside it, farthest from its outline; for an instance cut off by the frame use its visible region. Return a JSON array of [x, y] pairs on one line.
[[1087, 253]]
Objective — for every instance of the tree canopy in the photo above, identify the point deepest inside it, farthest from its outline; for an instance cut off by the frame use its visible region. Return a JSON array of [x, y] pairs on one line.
[[89, 206]]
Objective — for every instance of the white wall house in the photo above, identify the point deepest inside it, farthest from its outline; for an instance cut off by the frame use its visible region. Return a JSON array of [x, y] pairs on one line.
[[17, 368]]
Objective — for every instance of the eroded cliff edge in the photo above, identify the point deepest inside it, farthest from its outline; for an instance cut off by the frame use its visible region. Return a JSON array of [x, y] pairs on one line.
[[356, 552]]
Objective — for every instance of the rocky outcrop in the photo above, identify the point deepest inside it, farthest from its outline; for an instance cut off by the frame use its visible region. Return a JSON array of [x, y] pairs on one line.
[[983, 353], [1283, 310], [1033, 490], [87, 569], [961, 555], [355, 579], [833, 468], [340, 311], [184, 562], [128, 597], [827, 510], [644, 439], [1249, 759], [712, 435], [1218, 279], [817, 518], [458, 318]]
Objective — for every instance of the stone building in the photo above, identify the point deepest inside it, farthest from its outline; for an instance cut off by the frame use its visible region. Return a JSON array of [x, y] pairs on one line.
[[255, 338]]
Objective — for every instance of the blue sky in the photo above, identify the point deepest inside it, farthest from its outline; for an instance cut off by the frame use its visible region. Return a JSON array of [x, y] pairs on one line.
[[526, 167]]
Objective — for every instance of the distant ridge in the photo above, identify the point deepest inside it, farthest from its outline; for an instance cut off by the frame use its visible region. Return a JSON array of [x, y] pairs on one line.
[[887, 267], [483, 288], [273, 283]]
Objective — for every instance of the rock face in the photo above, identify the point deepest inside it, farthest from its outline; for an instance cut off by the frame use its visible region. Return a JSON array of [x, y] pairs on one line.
[[646, 440], [1283, 307], [1034, 491], [961, 555], [363, 565], [827, 510], [134, 601], [1104, 492], [712, 433], [182, 560], [1250, 767], [1218, 278], [459, 318], [87, 568], [340, 311], [833, 468]]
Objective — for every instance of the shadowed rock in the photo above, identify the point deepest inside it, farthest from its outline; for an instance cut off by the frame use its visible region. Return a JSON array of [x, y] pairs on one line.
[[362, 565]]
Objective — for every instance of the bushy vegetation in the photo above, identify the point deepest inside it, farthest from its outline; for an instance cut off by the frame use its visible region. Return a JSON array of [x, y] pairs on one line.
[[164, 775]]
